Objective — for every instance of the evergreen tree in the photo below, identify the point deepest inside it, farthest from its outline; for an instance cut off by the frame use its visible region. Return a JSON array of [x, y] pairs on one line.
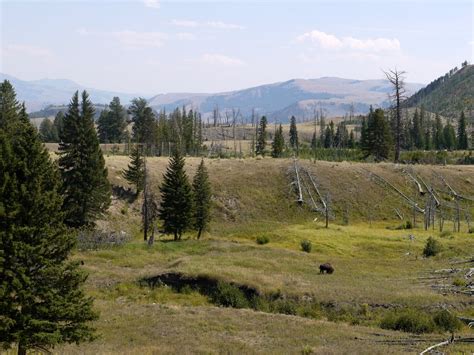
[[112, 122], [294, 143], [462, 133], [278, 144], [428, 135], [329, 136], [364, 135], [351, 141], [418, 134], [144, 123], [42, 302], [438, 139], [135, 172], [262, 137], [85, 186], [59, 124], [9, 106], [449, 136], [322, 128], [202, 199], [176, 198], [48, 132], [378, 136], [314, 142]]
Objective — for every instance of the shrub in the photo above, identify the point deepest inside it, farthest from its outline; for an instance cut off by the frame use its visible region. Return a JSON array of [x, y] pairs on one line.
[[228, 295], [447, 321], [285, 306], [408, 225], [459, 282], [471, 230], [306, 246], [445, 234], [262, 239], [408, 320], [432, 247]]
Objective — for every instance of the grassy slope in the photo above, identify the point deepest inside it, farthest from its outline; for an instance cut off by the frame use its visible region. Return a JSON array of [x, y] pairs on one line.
[[374, 266]]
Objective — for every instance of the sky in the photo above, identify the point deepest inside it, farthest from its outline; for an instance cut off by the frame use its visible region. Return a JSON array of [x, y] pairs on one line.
[[158, 46]]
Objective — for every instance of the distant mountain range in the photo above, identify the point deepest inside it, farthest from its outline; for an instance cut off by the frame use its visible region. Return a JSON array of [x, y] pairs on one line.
[[279, 101], [449, 94], [38, 94], [298, 97]]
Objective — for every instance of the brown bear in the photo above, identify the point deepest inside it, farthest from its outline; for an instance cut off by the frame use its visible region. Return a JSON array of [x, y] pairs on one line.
[[326, 268]]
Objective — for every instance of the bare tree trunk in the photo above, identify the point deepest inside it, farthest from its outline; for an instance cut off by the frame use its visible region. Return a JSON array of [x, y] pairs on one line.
[[396, 78]]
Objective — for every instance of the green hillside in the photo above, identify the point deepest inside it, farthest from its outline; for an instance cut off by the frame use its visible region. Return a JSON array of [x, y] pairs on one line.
[[449, 94]]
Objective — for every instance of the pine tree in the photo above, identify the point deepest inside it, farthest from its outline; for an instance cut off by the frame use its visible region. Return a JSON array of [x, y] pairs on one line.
[[144, 123], [42, 302], [135, 172], [176, 198], [449, 136], [202, 199], [438, 139], [262, 137], [48, 132], [85, 187], [9, 106], [418, 134], [351, 141], [462, 133], [378, 136], [112, 122], [294, 142], [314, 141], [59, 124], [364, 136], [278, 144]]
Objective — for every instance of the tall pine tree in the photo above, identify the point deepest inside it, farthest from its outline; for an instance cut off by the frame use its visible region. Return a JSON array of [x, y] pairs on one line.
[[176, 198], [262, 137], [135, 172], [462, 133], [85, 186], [294, 142], [202, 199], [42, 302], [278, 144]]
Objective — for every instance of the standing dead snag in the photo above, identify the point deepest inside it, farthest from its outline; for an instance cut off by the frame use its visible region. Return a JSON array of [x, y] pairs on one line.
[[396, 78]]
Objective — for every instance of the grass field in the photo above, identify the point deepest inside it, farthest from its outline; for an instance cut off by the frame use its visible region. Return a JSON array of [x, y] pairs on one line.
[[377, 269]]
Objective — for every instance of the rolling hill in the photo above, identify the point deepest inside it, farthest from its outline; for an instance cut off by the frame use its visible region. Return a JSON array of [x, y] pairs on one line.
[[449, 94], [39, 94], [279, 101], [298, 97]]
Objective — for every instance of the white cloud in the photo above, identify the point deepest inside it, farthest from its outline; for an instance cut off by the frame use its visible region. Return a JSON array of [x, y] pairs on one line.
[[28, 50], [154, 4], [220, 59], [209, 24], [332, 42]]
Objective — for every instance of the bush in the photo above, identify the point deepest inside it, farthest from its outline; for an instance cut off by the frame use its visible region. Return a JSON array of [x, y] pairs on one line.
[[432, 247], [408, 320], [471, 230], [228, 295], [306, 246], [459, 282], [262, 239], [447, 321]]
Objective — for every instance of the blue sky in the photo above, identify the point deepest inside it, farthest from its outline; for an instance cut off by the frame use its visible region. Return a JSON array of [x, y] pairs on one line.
[[157, 46]]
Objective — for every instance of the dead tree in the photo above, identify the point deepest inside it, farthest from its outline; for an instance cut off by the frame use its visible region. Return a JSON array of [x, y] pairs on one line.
[[396, 79]]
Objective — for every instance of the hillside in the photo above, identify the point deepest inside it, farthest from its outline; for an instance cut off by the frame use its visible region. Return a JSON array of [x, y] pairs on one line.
[[449, 94], [150, 297], [38, 94], [298, 97]]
